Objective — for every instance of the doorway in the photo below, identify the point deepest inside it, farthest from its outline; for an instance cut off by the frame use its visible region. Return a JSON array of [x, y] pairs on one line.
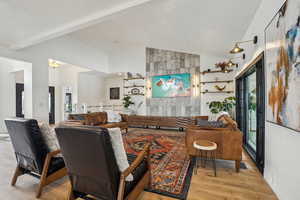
[[250, 95], [20, 102]]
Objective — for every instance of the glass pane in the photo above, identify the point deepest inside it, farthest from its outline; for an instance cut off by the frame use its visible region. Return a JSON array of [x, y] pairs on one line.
[[251, 110], [49, 96], [23, 112]]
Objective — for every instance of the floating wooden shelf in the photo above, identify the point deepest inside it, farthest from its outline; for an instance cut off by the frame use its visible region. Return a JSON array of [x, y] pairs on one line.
[[217, 92], [141, 94], [134, 78], [134, 86], [228, 81], [216, 71]]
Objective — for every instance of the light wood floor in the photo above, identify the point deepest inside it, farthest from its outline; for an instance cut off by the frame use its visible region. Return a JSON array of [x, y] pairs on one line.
[[228, 185]]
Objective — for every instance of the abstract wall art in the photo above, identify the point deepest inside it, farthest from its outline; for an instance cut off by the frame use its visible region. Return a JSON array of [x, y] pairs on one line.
[[282, 62]]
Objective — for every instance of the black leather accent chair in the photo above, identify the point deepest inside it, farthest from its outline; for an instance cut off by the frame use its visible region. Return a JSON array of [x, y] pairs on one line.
[[32, 154], [92, 166]]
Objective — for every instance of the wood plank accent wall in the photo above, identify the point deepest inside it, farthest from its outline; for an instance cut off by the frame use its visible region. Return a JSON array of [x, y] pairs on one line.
[[163, 62]]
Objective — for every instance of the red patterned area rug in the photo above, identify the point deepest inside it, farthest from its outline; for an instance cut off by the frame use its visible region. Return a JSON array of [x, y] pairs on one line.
[[171, 169]]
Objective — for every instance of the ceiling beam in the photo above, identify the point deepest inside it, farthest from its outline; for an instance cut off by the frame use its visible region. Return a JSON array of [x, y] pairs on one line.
[[76, 25]]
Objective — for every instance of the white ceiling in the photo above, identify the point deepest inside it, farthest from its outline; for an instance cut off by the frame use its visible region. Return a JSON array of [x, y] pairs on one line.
[[210, 26], [26, 22]]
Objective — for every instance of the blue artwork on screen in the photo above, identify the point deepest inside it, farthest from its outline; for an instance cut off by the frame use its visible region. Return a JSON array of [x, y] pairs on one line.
[[173, 85]]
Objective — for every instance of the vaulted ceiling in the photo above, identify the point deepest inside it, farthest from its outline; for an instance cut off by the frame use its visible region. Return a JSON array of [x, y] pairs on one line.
[[210, 26]]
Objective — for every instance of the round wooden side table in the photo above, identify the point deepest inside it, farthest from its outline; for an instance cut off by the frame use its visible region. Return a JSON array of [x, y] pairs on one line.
[[205, 150]]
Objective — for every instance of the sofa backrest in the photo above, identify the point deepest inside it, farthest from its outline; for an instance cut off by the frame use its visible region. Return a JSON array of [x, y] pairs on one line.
[[90, 160], [28, 143], [95, 118]]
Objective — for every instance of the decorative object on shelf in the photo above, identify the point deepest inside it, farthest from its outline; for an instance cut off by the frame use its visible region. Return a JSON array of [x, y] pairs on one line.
[[227, 105], [237, 49], [135, 91], [129, 75], [222, 65], [220, 88], [283, 68], [114, 93], [139, 75], [127, 101]]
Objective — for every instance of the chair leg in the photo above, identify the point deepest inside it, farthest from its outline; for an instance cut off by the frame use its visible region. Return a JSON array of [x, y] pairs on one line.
[[70, 194], [41, 185], [237, 165], [17, 173]]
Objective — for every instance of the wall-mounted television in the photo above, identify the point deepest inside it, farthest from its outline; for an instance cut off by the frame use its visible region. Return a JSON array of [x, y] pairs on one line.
[[172, 85]]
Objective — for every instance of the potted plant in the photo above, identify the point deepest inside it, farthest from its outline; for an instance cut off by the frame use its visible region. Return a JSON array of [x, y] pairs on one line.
[[227, 105], [127, 102]]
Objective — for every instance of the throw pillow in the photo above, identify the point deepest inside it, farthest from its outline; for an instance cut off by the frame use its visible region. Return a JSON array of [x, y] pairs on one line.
[[49, 136], [113, 116], [119, 150], [214, 124]]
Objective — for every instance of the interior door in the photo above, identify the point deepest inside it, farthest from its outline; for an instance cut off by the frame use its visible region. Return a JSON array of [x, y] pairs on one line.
[[51, 105], [20, 100]]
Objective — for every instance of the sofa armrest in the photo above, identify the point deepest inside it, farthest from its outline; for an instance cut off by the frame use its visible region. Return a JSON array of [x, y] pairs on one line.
[[229, 142]]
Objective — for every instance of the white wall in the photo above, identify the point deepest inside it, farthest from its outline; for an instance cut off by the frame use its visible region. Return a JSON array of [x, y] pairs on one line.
[[91, 90], [8, 69], [282, 145]]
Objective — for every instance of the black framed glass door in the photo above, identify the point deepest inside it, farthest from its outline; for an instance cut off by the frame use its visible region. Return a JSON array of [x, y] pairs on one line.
[[250, 95], [20, 102]]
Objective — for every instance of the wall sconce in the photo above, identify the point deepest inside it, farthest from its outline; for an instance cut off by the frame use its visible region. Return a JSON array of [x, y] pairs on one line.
[[237, 49], [148, 88], [196, 85], [231, 63]]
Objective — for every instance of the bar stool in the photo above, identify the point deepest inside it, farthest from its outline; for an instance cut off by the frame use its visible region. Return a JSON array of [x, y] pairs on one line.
[[206, 150]]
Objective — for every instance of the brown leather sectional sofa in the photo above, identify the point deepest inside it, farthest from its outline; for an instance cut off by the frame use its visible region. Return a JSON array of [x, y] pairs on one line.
[[228, 139], [160, 121], [100, 119]]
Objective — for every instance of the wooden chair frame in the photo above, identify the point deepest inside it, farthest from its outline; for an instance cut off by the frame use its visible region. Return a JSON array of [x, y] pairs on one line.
[[145, 181], [44, 179]]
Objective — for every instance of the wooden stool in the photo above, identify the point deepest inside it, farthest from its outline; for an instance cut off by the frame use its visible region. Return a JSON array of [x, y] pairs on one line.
[[206, 150]]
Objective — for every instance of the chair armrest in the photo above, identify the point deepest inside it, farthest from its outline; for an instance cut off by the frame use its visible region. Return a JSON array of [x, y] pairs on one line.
[[54, 153], [144, 153]]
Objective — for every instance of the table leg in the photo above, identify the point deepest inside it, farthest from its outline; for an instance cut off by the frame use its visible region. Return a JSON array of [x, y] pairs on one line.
[[214, 162]]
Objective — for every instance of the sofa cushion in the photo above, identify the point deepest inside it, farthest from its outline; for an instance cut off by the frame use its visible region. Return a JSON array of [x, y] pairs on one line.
[[56, 164], [119, 150], [113, 116], [49, 136], [138, 173], [115, 125]]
